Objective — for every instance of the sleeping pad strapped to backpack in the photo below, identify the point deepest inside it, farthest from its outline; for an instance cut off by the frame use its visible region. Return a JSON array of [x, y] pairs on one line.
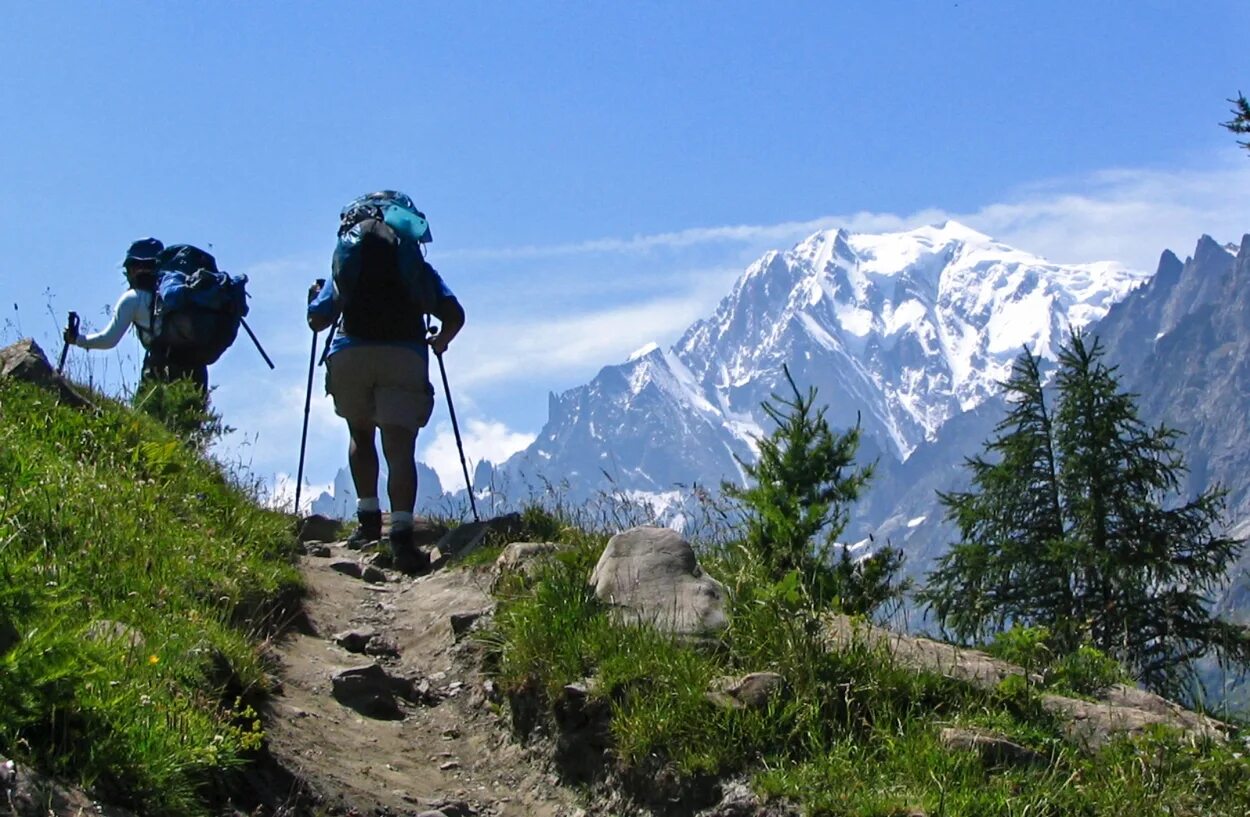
[[196, 309]]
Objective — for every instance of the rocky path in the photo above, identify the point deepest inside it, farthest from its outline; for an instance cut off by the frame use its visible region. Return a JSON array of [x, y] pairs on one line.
[[412, 727]]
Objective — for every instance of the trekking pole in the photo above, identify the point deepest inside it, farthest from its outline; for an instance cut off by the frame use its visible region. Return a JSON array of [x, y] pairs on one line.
[[70, 326], [303, 438], [456, 428], [259, 348]]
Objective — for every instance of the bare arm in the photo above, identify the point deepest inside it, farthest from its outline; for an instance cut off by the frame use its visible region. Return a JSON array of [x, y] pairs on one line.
[[451, 317]]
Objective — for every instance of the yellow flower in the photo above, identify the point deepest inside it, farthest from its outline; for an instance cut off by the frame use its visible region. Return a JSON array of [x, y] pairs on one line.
[[152, 659]]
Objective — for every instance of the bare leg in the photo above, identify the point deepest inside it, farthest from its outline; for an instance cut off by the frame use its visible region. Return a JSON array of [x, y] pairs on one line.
[[362, 458], [399, 447]]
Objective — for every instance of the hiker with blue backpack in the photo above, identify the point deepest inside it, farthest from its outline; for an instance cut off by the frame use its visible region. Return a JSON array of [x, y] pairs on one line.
[[184, 310], [377, 365]]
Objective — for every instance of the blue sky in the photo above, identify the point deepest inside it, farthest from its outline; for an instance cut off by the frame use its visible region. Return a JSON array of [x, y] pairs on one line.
[[596, 174]]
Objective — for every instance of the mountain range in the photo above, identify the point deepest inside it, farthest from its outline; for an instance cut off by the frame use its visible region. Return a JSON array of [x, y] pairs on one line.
[[907, 334], [900, 332]]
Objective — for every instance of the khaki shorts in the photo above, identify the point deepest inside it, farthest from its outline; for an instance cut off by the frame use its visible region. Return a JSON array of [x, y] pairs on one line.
[[382, 385]]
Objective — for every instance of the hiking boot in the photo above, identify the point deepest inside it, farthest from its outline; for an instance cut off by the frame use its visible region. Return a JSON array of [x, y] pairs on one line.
[[367, 532], [405, 555]]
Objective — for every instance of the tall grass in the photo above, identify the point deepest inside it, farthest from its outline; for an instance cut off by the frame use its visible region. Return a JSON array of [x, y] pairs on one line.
[[137, 578]]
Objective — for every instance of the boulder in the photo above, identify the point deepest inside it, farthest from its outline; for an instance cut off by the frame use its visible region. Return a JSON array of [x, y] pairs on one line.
[[24, 360], [651, 576]]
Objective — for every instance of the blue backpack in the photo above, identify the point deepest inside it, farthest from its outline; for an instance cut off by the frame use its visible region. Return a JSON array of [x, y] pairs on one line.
[[196, 309], [380, 275]]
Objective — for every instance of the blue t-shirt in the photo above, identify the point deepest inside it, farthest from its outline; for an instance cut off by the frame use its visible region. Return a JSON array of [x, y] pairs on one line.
[[327, 307]]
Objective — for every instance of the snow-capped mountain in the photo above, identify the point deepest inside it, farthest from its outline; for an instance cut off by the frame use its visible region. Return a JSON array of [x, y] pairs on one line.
[[901, 330], [340, 501], [1181, 343]]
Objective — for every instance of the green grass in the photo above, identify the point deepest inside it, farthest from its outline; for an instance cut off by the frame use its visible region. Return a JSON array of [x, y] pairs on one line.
[[854, 734], [107, 517]]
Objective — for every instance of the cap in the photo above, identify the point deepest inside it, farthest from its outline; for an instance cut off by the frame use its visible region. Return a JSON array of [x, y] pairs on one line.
[[144, 249]]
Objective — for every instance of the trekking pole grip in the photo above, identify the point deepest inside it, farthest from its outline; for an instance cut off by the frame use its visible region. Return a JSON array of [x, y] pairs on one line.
[[71, 331]]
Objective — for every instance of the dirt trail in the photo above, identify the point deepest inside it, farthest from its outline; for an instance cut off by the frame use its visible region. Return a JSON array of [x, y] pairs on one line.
[[452, 751]]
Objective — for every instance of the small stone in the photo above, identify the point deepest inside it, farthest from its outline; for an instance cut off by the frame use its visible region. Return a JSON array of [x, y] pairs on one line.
[[354, 640], [318, 549], [373, 575], [382, 646], [368, 690], [449, 765], [347, 568]]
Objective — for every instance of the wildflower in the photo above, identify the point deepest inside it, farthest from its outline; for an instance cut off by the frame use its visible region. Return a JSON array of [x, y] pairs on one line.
[[153, 659]]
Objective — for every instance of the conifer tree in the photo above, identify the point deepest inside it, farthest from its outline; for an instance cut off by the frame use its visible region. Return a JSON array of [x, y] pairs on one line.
[[796, 505], [1070, 529], [1240, 123], [1009, 566]]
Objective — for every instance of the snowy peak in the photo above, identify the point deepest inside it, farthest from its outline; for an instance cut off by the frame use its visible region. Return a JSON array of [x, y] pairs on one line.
[[921, 324], [898, 332]]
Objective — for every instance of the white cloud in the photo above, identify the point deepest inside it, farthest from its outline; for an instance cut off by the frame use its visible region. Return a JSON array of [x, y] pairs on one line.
[[1123, 214], [510, 350], [483, 440], [282, 496]]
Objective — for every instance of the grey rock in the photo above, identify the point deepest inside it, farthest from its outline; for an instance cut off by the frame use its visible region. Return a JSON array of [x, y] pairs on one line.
[[752, 691], [373, 574], [26, 361], [463, 540], [427, 532], [382, 647], [994, 749], [318, 528], [368, 690], [651, 576], [318, 549], [25, 792], [348, 568], [523, 559], [354, 640], [1118, 711], [461, 623], [454, 808], [738, 800]]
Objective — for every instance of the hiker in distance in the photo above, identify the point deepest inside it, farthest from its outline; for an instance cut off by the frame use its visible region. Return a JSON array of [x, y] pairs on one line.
[[185, 311], [134, 308], [377, 366]]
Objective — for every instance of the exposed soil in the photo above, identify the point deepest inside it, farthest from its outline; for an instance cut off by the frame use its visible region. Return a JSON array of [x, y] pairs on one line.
[[452, 750]]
